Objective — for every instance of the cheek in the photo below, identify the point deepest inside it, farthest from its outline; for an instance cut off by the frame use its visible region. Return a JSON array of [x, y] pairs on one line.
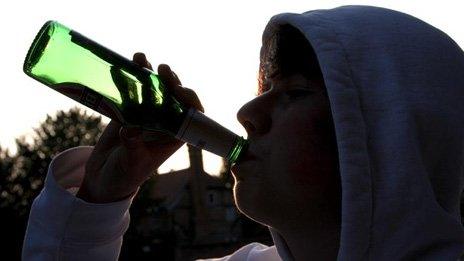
[[304, 167], [302, 157]]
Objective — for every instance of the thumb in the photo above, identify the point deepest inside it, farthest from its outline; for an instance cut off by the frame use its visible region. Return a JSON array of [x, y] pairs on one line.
[[131, 137]]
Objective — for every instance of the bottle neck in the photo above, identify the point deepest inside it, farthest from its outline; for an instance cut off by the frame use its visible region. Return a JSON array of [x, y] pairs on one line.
[[204, 133]]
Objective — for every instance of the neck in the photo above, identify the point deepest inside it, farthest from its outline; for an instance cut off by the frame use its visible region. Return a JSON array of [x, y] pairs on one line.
[[314, 240]]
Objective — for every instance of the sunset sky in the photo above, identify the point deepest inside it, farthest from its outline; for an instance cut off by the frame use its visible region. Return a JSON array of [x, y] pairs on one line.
[[212, 45]]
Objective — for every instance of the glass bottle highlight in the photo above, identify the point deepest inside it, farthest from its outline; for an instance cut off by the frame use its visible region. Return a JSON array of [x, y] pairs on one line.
[[107, 82]]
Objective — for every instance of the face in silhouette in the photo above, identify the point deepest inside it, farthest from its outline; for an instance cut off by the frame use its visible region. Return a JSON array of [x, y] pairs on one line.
[[291, 169]]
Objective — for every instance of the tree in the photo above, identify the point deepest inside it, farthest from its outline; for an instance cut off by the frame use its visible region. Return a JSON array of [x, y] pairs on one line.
[[22, 175]]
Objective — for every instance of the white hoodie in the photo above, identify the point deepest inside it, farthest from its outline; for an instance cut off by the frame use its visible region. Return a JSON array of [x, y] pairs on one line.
[[396, 90]]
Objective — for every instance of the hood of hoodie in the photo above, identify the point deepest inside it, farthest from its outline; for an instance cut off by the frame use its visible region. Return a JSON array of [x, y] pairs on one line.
[[396, 90]]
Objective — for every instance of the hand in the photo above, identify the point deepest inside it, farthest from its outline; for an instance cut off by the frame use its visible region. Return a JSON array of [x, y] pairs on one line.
[[122, 159]]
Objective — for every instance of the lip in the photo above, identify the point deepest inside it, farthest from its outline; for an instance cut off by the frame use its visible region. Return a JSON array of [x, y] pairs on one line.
[[249, 157]]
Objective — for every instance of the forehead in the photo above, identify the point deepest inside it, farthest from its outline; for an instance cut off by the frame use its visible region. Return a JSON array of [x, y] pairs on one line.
[[280, 81]]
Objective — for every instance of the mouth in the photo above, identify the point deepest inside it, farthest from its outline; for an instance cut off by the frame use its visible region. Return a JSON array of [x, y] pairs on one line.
[[247, 157], [238, 167]]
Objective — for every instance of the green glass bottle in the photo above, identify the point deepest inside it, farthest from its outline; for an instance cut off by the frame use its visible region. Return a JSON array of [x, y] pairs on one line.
[[118, 88]]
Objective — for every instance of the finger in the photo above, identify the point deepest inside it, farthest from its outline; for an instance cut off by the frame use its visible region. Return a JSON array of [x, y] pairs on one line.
[[175, 77], [109, 137], [105, 145], [189, 98], [136, 158], [157, 138], [140, 156], [140, 59], [168, 76], [131, 137], [172, 82]]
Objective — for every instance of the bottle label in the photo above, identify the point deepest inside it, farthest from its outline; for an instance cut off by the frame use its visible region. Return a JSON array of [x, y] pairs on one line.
[[204, 133], [90, 98]]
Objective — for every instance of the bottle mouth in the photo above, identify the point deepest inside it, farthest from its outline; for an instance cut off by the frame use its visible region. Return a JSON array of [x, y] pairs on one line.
[[238, 151], [38, 45]]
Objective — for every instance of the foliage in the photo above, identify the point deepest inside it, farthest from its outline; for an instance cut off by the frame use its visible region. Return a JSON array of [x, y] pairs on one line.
[[22, 174]]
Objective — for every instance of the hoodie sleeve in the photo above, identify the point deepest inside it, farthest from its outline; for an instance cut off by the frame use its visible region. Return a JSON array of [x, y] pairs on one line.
[[64, 227]]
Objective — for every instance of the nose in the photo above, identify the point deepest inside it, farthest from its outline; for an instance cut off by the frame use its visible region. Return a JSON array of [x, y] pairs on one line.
[[255, 116]]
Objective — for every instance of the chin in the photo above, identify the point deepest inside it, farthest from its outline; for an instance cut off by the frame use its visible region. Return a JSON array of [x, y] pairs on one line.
[[243, 197], [248, 202]]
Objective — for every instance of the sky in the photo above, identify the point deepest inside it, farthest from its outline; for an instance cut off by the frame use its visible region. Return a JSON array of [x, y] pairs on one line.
[[212, 45]]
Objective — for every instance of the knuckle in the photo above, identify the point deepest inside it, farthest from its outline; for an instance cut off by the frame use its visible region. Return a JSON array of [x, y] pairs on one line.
[[190, 92], [186, 89]]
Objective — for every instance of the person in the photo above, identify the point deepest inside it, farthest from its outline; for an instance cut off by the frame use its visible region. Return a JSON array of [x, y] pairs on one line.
[[356, 149]]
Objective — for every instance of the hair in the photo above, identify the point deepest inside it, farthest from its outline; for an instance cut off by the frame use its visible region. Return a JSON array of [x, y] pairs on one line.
[[287, 52]]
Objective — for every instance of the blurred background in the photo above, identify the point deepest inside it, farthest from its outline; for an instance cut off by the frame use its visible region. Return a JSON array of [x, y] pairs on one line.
[[214, 48]]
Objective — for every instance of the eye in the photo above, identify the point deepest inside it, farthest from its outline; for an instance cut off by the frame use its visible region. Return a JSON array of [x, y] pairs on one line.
[[294, 94]]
